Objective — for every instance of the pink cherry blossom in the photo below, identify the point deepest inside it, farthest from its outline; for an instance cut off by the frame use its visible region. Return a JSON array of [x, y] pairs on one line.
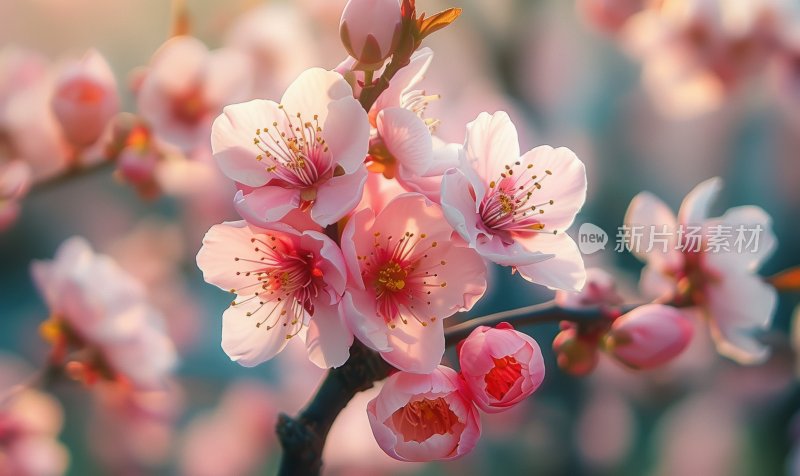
[[186, 86], [696, 52], [501, 366], [85, 99], [721, 282], [370, 30], [287, 285], [407, 275], [514, 210], [424, 417], [649, 336], [29, 424], [97, 307], [600, 290], [306, 152]]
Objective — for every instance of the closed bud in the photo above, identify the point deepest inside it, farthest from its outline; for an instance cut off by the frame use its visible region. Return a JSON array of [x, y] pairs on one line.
[[500, 366], [370, 30], [576, 354], [85, 99], [648, 336]]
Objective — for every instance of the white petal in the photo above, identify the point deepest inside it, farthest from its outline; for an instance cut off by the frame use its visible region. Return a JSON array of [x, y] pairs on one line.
[[694, 209], [565, 270], [328, 338], [491, 143]]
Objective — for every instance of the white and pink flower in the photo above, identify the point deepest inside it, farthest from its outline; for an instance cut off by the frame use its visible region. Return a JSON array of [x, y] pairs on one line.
[[287, 285], [101, 311], [501, 366], [406, 276], [186, 86], [306, 152], [424, 417], [514, 210], [600, 290], [719, 279]]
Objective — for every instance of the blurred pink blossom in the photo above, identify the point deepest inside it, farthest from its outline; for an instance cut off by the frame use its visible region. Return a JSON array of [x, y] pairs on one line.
[[264, 33], [501, 367], [185, 86], [723, 281], [100, 310], [424, 417], [407, 276], [15, 177]]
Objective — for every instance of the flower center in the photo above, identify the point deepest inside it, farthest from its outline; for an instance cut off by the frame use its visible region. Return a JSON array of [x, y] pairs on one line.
[[190, 107], [509, 203], [285, 283], [391, 277], [295, 152], [502, 376], [421, 419], [403, 275]]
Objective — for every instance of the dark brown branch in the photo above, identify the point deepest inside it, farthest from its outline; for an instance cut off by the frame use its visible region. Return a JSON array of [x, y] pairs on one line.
[[303, 437], [535, 314]]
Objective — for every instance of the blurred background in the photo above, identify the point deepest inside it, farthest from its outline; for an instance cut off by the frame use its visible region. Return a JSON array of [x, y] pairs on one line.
[[569, 76]]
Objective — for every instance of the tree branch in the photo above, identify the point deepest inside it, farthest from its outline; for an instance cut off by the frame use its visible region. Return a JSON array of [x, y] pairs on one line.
[[303, 437]]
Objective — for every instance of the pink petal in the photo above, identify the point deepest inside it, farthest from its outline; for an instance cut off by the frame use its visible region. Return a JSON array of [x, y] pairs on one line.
[[243, 341], [268, 203], [346, 132], [228, 78], [328, 338], [739, 306], [338, 196], [648, 213], [564, 271], [313, 91], [459, 205], [407, 137], [358, 310], [491, 144], [747, 259], [416, 348], [694, 209], [566, 186], [221, 245], [232, 137]]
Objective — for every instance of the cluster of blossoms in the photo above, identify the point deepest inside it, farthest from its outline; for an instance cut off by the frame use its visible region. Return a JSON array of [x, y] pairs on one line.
[[358, 223], [697, 52], [359, 226]]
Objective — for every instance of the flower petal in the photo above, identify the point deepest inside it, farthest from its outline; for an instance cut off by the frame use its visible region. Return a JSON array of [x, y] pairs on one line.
[[416, 348], [491, 143], [338, 196], [328, 338], [564, 182], [695, 206], [565, 270]]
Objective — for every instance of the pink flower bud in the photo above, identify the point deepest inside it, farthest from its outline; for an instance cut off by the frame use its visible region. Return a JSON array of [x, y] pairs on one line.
[[648, 336], [137, 166], [370, 30], [576, 354], [500, 366], [85, 99], [424, 417]]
